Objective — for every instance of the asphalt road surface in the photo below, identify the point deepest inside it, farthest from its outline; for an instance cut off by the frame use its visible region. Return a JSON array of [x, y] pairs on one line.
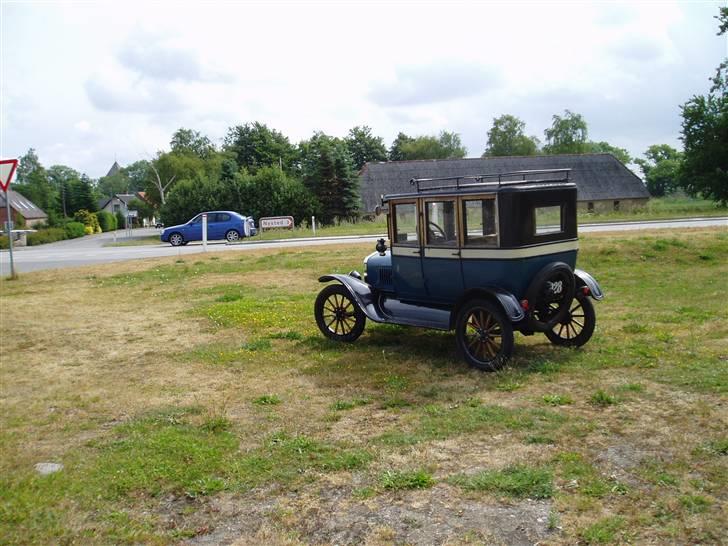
[[92, 250]]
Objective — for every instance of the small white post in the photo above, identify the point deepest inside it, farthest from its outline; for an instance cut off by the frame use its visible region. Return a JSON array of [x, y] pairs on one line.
[[204, 232], [313, 225]]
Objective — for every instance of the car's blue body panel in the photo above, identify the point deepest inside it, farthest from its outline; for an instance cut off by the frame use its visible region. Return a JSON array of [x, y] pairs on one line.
[[216, 230]]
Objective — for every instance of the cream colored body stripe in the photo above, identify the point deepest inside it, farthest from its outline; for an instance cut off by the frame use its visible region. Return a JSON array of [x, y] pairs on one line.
[[489, 253]]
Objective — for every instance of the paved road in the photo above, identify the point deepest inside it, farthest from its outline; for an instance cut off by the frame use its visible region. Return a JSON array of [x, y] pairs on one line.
[[91, 250]]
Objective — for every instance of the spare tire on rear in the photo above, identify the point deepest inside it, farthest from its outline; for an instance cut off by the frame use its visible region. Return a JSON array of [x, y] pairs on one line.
[[549, 296]]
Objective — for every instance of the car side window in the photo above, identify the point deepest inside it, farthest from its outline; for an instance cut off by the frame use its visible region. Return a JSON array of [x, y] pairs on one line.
[[548, 220], [479, 222], [222, 217], [405, 224], [197, 219], [441, 228]]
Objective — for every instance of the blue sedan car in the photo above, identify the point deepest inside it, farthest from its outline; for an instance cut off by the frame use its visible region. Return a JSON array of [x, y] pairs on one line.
[[221, 224]]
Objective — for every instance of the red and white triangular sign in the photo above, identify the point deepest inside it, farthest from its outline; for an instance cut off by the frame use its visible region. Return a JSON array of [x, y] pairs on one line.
[[7, 170]]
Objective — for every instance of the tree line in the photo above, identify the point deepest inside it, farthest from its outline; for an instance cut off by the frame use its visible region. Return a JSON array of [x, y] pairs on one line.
[[258, 171]]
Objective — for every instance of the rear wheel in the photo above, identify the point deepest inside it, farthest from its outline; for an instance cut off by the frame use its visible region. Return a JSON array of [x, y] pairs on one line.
[[232, 236], [484, 336], [337, 314], [577, 326], [176, 239]]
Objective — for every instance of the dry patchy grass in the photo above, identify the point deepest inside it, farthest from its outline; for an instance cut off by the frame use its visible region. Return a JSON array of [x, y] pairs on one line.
[[195, 400]]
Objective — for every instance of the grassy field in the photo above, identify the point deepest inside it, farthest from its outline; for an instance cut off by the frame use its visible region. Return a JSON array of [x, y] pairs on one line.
[[194, 400]]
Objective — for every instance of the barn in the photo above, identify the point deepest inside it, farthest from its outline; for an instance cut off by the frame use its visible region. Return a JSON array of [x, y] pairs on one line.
[[603, 182]]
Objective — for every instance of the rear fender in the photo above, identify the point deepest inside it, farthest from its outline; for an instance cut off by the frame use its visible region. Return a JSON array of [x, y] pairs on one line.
[[585, 279], [504, 299], [360, 291]]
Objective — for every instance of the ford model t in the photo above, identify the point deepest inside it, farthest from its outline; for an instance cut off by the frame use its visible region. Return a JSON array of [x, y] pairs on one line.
[[482, 255]]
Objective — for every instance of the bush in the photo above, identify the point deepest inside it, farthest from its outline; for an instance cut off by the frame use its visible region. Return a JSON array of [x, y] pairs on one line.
[[3, 242], [106, 220], [89, 220], [50, 235], [74, 230]]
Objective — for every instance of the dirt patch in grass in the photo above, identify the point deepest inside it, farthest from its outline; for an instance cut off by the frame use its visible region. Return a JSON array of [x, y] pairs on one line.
[[200, 391]]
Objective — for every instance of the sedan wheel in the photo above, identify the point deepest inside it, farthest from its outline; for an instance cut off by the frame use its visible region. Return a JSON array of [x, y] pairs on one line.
[[484, 336], [232, 236], [337, 315], [176, 239]]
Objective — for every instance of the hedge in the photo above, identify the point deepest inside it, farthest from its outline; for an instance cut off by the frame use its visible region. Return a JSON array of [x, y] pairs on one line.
[[43, 236], [75, 229], [107, 221]]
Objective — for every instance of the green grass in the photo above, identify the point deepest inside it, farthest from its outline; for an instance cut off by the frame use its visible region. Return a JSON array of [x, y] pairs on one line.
[[407, 479], [222, 390], [518, 481]]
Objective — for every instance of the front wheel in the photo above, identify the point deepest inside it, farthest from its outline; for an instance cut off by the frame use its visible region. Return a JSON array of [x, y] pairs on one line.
[[176, 239], [577, 325], [484, 336], [337, 314]]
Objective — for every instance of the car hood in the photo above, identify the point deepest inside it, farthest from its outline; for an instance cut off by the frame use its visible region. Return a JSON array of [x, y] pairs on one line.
[[171, 228]]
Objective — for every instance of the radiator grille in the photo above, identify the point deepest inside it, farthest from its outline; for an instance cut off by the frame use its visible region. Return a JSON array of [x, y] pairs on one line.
[[385, 275]]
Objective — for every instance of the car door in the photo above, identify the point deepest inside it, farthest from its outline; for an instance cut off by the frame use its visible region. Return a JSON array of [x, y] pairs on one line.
[[217, 223], [407, 251], [441, 257], [193, 229]]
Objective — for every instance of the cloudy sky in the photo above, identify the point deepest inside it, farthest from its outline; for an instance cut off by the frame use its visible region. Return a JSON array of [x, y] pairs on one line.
[[87, 82]]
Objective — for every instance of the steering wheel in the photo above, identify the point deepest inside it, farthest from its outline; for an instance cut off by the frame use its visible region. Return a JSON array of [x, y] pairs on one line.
[[435, 231]]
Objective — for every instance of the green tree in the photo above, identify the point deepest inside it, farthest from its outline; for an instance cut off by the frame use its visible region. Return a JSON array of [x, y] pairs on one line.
[[606, 148], [255, 146], [395, 151], [138, 174], [62, 178], [270, 192], [81, 195], [328, 172], [187, 141], [507, 137], [32, 181], [168, 168], [364, 147], [705, 135], [190, 196], [567, 135], [445, 146], [115, 183], [661, 169]]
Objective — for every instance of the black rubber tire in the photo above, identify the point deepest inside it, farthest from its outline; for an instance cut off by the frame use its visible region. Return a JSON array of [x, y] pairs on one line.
[[484, 335], [232, 236], [335, 308], [176, 239], [554, 284], [577, 326]]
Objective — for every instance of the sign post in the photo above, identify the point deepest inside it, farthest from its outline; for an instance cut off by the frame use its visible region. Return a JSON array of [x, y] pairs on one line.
[[204, 232], [7, 170]]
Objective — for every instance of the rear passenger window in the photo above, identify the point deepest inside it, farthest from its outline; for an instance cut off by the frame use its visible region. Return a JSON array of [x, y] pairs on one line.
[[480, 222], [222, 217], [548, 220], [405, 224]]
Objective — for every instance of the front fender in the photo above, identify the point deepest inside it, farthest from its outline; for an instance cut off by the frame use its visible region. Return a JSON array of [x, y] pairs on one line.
[[360, 291], [585, 279]]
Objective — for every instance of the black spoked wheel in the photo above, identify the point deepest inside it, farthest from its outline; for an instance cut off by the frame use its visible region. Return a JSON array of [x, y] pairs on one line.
[[549, 296], [577, 326], [484, 336], [337, 314]]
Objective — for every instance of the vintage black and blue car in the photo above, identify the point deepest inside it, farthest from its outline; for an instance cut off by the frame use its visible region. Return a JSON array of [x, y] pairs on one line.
[[484, 255]]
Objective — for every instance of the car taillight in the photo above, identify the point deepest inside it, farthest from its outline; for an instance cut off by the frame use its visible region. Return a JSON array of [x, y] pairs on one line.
[[524, 305], [585, 290]]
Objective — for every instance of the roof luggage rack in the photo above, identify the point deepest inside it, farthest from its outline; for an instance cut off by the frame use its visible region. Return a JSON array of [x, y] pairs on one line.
[[542, 176]]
